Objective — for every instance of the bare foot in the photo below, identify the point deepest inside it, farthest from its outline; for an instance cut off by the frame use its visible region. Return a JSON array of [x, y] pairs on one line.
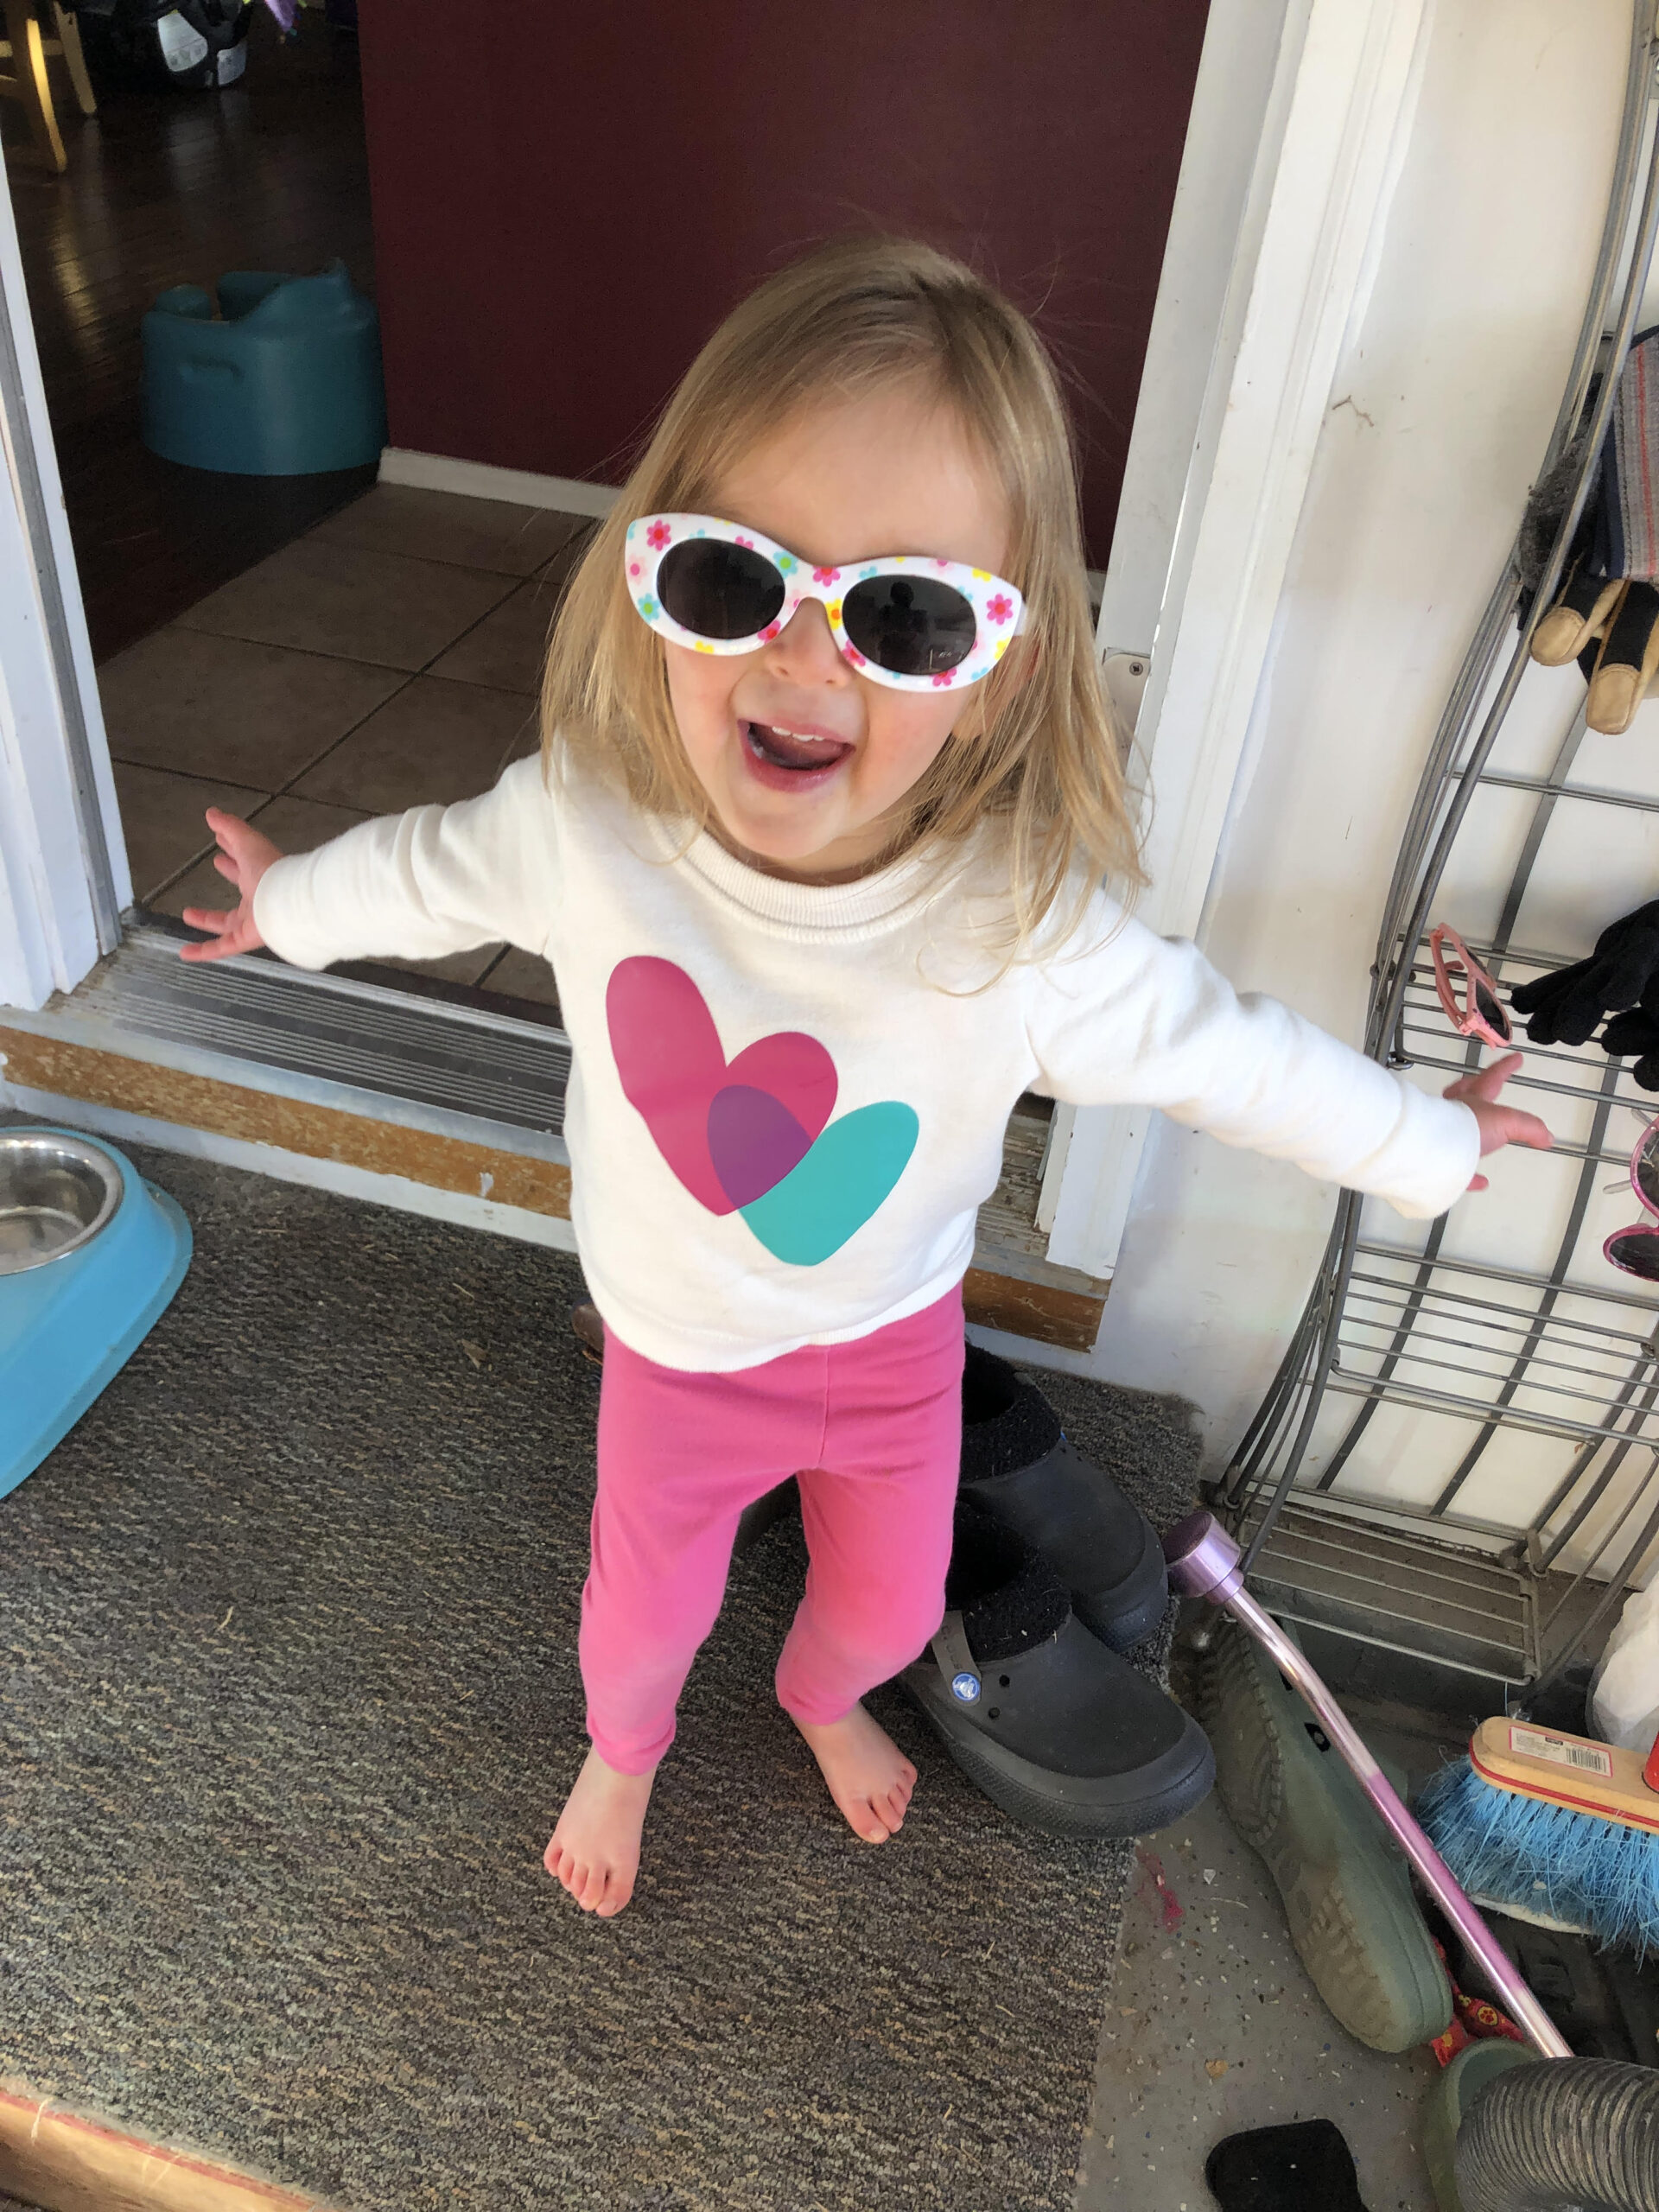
[[595, 1847], [869, 1776]]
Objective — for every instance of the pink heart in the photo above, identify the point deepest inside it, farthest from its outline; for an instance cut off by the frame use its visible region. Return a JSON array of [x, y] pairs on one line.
[[671, 1063]]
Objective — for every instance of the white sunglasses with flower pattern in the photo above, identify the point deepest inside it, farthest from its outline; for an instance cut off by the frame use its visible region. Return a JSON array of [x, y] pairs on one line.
[[904, 619]]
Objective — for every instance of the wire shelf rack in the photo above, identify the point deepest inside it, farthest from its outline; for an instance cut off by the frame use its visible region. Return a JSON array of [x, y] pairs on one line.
[[1367, 1488]]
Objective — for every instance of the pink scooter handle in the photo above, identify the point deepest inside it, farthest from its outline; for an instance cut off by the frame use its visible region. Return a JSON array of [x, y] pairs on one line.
[[1204, 1562]]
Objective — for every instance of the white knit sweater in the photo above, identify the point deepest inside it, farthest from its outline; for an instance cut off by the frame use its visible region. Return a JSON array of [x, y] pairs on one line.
[[787, 1102]]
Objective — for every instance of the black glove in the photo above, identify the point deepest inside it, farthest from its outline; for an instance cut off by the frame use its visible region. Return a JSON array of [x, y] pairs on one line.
[[1635, 1033], [1564, 1008]]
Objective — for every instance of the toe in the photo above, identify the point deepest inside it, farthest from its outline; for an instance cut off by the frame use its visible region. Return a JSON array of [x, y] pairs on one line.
[[593, 1888]]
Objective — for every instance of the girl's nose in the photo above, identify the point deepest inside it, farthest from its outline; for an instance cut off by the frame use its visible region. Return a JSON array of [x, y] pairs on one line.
[[805, 649]]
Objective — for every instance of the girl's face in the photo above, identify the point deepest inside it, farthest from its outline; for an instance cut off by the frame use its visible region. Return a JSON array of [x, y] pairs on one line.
[[805, 760]]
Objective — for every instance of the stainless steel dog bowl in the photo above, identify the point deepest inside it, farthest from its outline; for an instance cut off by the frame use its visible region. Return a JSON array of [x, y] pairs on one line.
[[56, 1193]]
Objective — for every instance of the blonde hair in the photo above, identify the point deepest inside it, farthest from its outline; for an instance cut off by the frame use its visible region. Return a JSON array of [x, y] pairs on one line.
[[1040, 753]]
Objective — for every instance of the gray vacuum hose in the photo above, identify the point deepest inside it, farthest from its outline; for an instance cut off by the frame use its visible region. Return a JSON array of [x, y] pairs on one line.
[[1572, 2135]]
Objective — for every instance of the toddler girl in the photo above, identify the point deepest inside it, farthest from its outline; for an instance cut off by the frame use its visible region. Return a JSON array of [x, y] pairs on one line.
[[818, 846]]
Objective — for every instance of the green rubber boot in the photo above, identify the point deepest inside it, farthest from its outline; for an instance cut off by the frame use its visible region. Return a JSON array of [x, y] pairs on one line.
[[1448, 2101], [1346, 1888]]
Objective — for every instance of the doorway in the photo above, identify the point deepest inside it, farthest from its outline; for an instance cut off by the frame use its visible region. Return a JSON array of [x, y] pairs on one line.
[[301, 650]]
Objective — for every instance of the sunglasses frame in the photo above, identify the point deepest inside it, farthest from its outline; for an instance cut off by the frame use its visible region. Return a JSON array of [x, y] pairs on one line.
[[1471, 1021], [1648, 1228], [999, 609]]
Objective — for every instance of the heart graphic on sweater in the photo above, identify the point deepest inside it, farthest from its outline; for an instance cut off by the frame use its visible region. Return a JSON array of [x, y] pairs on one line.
[[751, 1134]]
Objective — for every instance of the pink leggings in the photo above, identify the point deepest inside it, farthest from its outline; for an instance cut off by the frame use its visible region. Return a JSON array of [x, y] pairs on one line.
[[873, 1430]]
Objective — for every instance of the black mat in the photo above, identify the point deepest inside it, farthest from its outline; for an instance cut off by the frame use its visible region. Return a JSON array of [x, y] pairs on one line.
[[288, 1702]]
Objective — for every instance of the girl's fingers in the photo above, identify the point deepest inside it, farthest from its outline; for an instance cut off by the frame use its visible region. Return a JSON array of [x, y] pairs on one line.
[[227, 866], [1484, 1083], [1479, 1183], [227, 933], [1530, 1130]]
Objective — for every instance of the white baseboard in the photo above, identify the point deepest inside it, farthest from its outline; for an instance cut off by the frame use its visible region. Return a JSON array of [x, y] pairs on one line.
[[480, 480], [457, 1207]]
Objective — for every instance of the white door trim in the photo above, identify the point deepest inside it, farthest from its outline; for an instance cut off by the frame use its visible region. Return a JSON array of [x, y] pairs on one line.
[[1330, 133], [63, 868]]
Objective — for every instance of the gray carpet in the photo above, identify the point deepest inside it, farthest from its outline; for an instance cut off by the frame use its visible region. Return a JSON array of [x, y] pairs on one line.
[[288, 1702]]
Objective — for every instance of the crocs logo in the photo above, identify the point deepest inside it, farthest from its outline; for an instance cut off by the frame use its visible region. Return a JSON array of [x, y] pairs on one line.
[[753, 1134], [966, 1687]]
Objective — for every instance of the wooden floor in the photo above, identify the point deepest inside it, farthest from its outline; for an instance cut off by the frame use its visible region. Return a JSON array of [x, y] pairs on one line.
[[164, 189]]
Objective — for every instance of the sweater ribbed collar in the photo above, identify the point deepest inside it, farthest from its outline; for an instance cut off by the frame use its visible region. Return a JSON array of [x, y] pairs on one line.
[[867, 906]]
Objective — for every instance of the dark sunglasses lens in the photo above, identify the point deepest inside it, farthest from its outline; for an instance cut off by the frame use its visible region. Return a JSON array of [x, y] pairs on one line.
[[717, 590], [1490, 1012], [910, 625], [1637, 1250], [1647, 1171]]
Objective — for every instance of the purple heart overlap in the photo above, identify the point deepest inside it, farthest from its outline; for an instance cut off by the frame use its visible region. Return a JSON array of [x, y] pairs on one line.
[[753, 1140]]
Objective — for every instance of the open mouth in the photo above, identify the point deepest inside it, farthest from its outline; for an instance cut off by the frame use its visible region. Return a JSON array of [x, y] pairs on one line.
[[791, 760], [793, 750]]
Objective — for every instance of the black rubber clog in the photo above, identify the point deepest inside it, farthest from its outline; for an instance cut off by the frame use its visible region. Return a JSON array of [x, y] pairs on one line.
[[1052, 1727], [1019, 1465]]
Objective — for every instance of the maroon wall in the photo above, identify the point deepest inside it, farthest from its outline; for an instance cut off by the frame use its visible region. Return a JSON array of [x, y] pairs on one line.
[[568, 196]]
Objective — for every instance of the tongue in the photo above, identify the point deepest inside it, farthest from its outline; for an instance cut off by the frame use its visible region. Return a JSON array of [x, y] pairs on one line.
[[789, 752]]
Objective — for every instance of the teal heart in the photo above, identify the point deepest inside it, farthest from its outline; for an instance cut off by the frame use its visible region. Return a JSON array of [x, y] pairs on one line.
[[832, 1191]]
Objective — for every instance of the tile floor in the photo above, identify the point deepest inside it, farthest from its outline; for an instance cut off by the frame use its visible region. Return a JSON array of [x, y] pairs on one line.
[[387, 658]]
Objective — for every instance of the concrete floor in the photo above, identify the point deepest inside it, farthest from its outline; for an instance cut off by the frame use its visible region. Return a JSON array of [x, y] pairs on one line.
[[1213, 2027]]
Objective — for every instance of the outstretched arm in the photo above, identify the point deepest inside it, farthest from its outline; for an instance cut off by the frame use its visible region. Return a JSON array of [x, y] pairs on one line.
[[1135, 1018], [416, 886]]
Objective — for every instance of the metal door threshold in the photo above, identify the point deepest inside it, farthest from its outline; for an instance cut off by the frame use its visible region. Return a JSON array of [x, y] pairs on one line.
[[442, 1053]]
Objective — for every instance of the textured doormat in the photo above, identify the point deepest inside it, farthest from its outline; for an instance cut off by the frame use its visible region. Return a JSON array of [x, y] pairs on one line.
[[288, 1702]]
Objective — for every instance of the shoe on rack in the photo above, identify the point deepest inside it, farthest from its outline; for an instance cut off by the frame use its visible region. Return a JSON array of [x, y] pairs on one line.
[[1054, 1727], [1346, 1888], [1018, 1462]]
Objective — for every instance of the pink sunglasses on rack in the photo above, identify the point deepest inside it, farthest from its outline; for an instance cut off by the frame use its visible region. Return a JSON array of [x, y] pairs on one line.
[[1635, 1249], [901, 619], [1458, 974]]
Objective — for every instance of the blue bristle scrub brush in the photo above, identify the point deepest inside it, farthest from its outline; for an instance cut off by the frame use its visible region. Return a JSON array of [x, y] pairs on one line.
[[1554, 1827]]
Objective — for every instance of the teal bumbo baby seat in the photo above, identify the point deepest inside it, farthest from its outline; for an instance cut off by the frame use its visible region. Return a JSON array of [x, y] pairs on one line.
[[285, 381], [90, 1257]]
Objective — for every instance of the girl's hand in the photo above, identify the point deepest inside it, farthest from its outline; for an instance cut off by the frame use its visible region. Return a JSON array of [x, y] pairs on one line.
[[243, 855], [1499, 1125]]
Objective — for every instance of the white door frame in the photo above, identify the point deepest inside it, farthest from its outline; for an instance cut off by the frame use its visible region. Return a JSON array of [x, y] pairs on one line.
[[63, 865], [1300, 117]]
